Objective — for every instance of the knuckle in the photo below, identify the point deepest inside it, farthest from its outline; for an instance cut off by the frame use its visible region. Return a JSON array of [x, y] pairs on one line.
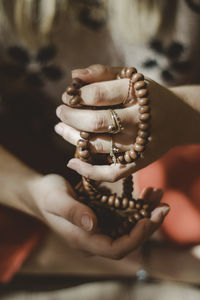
[[96, 94], [87, 174], [99, 68], [99, 122], [113, 177]]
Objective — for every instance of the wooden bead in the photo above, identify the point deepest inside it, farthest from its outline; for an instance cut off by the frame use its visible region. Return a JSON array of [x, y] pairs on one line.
[[145, 117], [98, 196], [140, 85], [77, 83], [83, 144], [143, 101], [131, 219], [125, 202], [87, 187], [138, 204], [123, 73], [117, 202], [141, 93], [144, 126], [146, 206], [140, 141], [137, 77], [131, 204], [83, 153], [75, 100], [104, 199], [72, 91], [111, 200], [139, 148], [144, 109], [85, 135], [130, 71], [127, 157], [133, 154], [143, 134], [121, 159], [137, 216], [143, 213]]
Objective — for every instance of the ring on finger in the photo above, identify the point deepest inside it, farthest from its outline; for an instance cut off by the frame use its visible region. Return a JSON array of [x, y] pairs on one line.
[[116, 127]]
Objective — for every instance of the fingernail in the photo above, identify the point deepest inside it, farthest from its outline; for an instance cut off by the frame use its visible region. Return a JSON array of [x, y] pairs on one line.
[[87, 222], [165, 210], [64, 98], [80, 72], [58, 111], [58, 129]]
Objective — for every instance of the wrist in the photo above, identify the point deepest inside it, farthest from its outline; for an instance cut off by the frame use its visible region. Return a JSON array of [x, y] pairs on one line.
[[32, 195]]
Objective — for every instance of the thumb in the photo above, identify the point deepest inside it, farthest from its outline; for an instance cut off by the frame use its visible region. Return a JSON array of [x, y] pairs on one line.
[[63, 205], [96, 73]]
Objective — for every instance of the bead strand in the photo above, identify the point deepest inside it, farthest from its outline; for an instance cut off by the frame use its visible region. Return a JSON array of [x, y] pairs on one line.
[[139, 86]]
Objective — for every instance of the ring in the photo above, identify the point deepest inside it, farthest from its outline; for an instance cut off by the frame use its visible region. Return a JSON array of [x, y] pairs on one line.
[[116, 127], [126, 100], [113, 151]]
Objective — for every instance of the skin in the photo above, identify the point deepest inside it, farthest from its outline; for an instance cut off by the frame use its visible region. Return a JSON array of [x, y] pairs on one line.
[[51, 199], [175, 120]]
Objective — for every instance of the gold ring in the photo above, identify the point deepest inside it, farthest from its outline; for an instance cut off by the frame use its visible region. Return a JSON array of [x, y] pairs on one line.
[[127, 100], [116, 127]]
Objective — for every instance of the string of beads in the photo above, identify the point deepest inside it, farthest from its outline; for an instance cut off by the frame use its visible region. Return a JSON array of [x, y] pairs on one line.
[[117, 215]]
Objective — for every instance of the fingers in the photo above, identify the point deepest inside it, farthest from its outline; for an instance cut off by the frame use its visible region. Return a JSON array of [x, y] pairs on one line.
[[85, 120], [96, 73], [98, 143], [102, 93], [95, 120], [105, 173], [101, 245], [117, 249], [60, 203], [109, 173]]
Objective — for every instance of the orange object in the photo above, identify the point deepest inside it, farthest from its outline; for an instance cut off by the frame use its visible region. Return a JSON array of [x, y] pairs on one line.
[[19, 235], [178, 173]]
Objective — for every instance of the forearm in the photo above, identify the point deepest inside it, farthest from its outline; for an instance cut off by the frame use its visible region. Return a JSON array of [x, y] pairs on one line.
[[15, 181], [190, 113]]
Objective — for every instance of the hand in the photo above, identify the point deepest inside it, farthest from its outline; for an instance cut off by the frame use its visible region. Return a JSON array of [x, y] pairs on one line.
[[58, 208], [102, 90]]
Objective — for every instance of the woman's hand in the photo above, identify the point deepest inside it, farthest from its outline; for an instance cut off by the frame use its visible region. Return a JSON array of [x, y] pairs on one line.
[[102, 90], [51, 199], [77, 224]]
